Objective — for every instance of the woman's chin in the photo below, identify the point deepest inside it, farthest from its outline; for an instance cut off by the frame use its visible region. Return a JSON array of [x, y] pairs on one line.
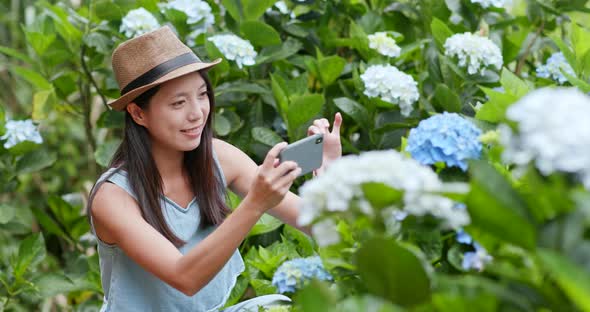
[[191, 145]]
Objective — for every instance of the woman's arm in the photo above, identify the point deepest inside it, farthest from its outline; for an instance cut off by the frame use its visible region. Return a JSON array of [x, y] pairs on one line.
[[240, 171], [117, 216]]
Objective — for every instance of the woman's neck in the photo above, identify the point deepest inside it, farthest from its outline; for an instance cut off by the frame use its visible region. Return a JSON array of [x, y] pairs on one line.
[[169, 162]]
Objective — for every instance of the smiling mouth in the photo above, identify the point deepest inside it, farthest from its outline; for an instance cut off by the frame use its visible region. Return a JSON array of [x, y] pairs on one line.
[[192, 130]]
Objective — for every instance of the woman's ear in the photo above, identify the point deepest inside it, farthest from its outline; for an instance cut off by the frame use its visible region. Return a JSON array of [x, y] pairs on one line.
[[136, 113]]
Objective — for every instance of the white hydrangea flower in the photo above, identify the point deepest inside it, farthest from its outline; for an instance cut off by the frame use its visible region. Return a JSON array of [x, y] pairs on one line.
[[474, 52], [556, 65], [384, 44], [198, 13], [235, 48], [555, 137], [339, 188], [138, 22], [325, 233], [391, 85], [282, 7], [491, 3], [18, 131]]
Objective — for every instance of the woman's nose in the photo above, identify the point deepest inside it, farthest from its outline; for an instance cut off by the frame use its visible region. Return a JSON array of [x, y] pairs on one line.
[[195, 112]]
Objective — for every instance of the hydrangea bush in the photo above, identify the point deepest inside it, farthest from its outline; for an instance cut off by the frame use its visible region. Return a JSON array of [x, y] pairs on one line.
[[464, 184]]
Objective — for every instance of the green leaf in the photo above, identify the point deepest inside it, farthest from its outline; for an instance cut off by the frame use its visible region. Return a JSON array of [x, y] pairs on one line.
[[35, 161], [234, 7], [495, 207], [574, 280], [7, 212], [381, 195], [494, 110], [263, 287], [253, 9], [16, 54], [222, 126], [581, 84], [447, 99], [214, 53], [355, 110], [315, 297], [238, 290], [580, 43], [63, 211], [39, 41], [512, 84], [366, 303], [32, 77], [61, 18], [260, 34], [48, 224], [242, 87], [393, 272], [440, 32], [304, 243], [111, 119], [330, 69], [2, 121], [98, 41], [53, 284], [265, 224], [278, 90], [105, 152], [280, 52], [107, 10], [41, 104], [30, 253], [565, 49], [266, 136], [302, 109]]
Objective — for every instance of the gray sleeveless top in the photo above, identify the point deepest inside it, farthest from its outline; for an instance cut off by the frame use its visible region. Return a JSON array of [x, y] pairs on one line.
[[128, 287]]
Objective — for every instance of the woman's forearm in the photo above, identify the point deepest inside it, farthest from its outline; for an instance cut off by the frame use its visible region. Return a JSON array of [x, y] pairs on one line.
[[196, 268]]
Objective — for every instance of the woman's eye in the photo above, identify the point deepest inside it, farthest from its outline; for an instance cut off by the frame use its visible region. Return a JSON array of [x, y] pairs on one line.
[[203, 94], [178, 103]]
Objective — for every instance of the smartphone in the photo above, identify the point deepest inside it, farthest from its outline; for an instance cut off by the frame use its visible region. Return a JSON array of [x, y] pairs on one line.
[[307, 153]]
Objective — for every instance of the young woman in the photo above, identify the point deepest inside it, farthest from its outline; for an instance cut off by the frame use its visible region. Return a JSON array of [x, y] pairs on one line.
[[167, 240]]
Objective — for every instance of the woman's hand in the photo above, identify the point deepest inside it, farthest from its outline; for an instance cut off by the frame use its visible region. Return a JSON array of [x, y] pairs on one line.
[[332, 145], [272, 180]]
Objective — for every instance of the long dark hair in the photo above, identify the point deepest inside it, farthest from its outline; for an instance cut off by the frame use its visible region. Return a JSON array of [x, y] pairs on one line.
[[134, 156]]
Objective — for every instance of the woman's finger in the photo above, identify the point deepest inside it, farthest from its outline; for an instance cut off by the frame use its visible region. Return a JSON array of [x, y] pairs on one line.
[[337, 123], [320, 125], [326, 123], [313, 130]]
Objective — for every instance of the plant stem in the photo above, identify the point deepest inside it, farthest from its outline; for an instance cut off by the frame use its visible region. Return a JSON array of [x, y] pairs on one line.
[[88, 74], [522, 59]]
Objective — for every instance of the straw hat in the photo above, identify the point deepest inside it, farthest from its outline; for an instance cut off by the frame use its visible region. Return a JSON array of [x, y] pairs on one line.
[[151, 59]]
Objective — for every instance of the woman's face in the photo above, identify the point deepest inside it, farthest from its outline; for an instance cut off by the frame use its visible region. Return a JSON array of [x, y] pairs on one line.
[[178, 112]]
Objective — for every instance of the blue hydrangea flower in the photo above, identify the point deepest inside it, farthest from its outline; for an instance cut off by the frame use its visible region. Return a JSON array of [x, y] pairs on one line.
[[463, 237], [476, 260], [294, 274], [446, 138], [554, 68]]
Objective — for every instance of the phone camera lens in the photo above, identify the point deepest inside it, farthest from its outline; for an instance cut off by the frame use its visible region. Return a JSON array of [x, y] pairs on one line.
[[318, 141]]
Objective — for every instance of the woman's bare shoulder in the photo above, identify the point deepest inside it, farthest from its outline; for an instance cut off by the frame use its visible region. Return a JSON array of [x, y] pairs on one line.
[[111, 208]]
